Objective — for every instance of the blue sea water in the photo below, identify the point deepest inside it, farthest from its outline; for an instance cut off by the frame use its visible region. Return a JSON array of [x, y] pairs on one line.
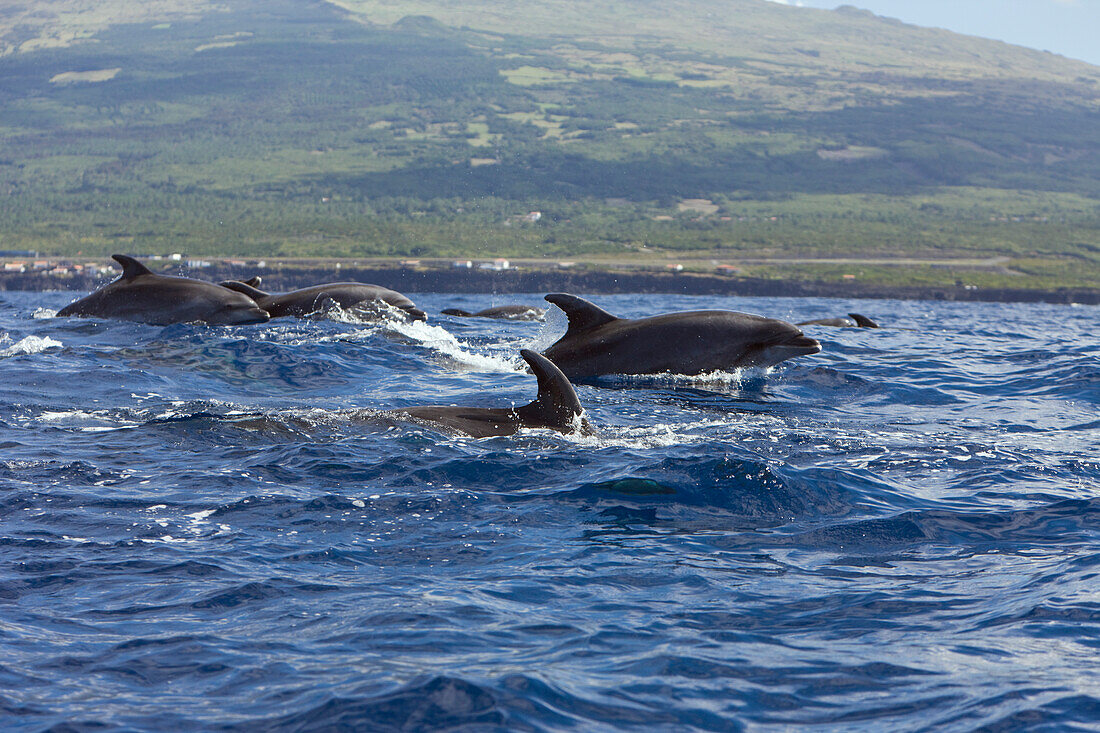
[[210, 528]]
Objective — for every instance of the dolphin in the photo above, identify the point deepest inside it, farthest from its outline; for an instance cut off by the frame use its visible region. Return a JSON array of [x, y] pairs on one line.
[[556, 407], [307, 301], [691, 342], [505, 312], [140, 295], [854, 320]]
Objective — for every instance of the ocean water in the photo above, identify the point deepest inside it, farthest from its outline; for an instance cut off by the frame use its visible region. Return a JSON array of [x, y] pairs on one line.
[[211, 528]]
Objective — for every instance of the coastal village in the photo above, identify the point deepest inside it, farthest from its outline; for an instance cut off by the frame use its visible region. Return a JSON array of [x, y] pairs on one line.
[[30, 262]]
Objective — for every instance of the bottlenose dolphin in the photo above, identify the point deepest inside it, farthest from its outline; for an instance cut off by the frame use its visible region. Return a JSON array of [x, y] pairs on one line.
[[691, 342], [307, 301], [140, 295], [854, 320], [505, 312], [556, 407]]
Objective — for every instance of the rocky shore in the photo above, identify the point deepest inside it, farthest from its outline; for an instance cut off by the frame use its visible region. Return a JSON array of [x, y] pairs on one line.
[[469, 280]]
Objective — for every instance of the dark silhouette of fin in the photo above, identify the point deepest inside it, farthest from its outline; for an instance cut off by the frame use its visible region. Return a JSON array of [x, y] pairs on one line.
[[557, 405], [456, 312], [131, 268], [244, 288], [253, 281], [863, 321], [583, 315]]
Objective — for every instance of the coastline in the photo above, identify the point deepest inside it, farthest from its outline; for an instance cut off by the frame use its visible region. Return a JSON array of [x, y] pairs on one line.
[[413, 279]]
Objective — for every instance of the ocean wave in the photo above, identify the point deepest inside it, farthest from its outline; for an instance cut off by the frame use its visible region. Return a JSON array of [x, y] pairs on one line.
[[223, 528], [26, 345]]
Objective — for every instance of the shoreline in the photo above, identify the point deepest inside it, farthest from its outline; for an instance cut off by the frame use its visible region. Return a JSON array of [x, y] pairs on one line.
[[288, 276]]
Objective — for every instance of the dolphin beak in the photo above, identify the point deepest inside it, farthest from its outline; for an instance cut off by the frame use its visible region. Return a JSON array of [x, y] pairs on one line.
[[257, 315], [805, 343]]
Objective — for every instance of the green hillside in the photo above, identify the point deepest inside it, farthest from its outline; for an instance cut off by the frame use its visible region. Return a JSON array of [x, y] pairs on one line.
[[738, 131]]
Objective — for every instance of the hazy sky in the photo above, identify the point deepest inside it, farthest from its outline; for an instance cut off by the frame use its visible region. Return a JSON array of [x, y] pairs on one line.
[[1067, 27]]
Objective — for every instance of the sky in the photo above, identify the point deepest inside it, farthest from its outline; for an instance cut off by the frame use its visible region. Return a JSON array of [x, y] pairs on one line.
[[1067, 27]]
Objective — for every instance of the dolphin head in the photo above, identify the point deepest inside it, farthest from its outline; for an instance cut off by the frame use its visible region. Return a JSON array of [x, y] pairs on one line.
[[776, 342], [771, 354], [236, 315], [795, 346], [235, 310]]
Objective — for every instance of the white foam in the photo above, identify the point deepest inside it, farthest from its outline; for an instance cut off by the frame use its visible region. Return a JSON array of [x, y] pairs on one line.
[[44, 313], [661, 435], [443, 341], [718, 379], [421, 332], [62, 415], [27, 345], [366, 313], [101, 420], [553, 328], [164, 539]]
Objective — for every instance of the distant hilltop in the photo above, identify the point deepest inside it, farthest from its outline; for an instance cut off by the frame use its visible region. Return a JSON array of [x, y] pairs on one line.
[[566, 130]]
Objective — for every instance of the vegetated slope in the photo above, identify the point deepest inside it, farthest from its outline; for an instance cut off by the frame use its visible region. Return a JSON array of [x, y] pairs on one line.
[[431, 127], [821, 42]]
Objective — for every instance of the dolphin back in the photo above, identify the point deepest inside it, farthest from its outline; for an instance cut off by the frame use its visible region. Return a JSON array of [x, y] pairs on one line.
[[557, 405], [863, 321], [131, 268], [245, 289], [583, 315]]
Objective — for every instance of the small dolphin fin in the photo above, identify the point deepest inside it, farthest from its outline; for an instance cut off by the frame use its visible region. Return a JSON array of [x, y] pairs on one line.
[[456, 312], [582, 314], [131, 268], [557, 405], [863, 321], [243, 288], [253, 281]]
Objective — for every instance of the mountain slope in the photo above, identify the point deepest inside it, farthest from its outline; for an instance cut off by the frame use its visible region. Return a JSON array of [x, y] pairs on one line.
[[790, 38], [418, 128]]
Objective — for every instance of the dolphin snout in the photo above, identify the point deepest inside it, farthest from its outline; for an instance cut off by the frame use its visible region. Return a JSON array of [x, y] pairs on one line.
[[251, 315], [809, 345], [259, 315]]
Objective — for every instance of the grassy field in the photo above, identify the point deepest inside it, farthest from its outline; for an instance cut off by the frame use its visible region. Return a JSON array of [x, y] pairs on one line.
[[746, 133]]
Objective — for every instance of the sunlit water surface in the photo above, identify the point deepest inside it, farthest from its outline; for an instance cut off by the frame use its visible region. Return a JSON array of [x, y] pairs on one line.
[[212, 528]]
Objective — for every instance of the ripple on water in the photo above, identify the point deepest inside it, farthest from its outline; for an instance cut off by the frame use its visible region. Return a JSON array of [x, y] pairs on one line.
[[218, 528]]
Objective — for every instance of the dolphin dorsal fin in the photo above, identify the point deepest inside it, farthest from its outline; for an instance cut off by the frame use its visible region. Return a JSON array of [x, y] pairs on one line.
[[557, 404], [253, 281], [456, 312], [582, 314], [863, 321], [131, 268], [243, 288]]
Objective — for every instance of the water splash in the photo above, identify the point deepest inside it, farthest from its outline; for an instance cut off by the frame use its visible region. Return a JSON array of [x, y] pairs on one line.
[[441, 340], [26, 345], [554, 326]]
